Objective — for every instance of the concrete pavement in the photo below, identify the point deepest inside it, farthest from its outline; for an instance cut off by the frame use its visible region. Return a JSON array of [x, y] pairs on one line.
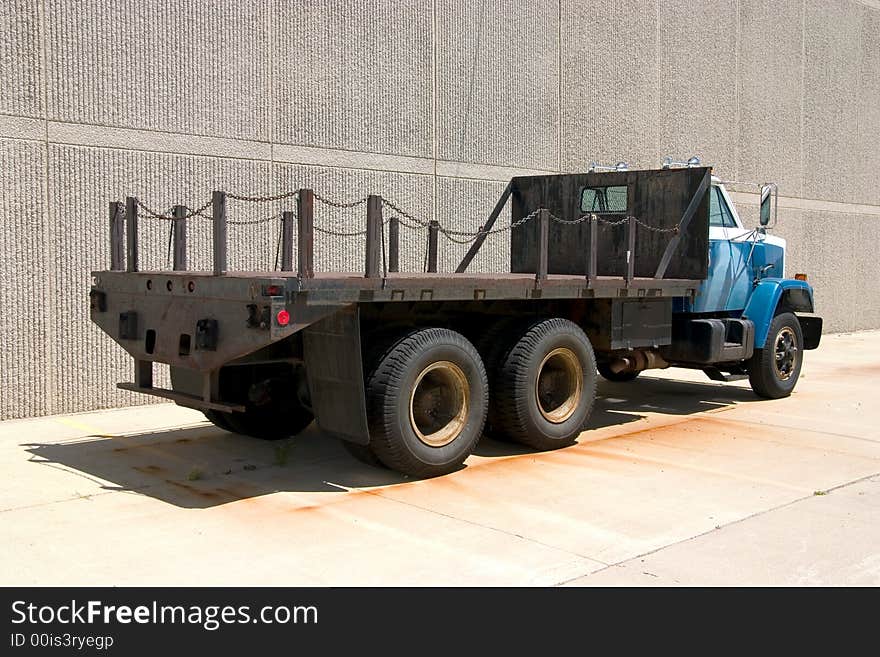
[[678, 481]]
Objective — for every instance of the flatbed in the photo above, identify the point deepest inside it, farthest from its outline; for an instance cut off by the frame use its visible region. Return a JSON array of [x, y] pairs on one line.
[[409, 368]]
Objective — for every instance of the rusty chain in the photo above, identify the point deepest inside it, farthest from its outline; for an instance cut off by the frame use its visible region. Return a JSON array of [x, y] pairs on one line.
[[339, 204], [250, 222], [406, 219], [403, 213], [262, 199], [198, 212]]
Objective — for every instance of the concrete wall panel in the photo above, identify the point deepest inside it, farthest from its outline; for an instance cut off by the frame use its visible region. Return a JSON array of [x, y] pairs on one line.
[[194, 67], [698, 105], [831, 97], [21, 77], [82, 181], [831, 267], [497, 82], [431, 105], [610, 83], [863, 273], [865, 161], [464, 205], [335, 251], [354, 75], [770, 93], [25, 348]]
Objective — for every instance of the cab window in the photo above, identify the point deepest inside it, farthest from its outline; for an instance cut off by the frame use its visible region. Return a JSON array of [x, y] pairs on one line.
[[604, 199], [719, 213]]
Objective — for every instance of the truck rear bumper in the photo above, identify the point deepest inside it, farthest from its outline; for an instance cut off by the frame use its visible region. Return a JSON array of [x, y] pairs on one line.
[[183, 399]]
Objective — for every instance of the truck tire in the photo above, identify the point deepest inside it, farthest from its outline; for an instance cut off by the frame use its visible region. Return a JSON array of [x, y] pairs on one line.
[[427, 399], [617, 377], [774, 370], [546, 385], [363, 453], [219, 419], [272, 423], [281, 418]]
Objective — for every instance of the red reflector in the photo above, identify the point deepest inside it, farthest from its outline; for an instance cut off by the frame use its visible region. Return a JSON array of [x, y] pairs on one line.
[[283, 318]]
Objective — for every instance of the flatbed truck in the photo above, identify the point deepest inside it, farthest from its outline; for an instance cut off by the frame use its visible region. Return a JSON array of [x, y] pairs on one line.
[[611, 273]]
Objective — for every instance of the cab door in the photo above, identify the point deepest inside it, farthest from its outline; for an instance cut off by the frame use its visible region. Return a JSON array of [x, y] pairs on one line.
[[730, 279]]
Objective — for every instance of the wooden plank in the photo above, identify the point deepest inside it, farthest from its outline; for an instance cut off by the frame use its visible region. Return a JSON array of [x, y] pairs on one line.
[[287, 241], [305, 233], [131, 232], [117, 236], [630, 250], [373, 263], [593, 251], [478, 242], [433, 237], [394, 244], [543, 245], [219, 232], [179, 237]]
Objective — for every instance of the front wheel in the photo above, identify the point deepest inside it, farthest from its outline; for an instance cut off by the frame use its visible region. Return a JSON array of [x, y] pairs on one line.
[[774, 370]]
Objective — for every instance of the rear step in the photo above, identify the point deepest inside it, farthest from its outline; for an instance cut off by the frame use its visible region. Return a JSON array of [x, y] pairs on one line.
[[183, 399]]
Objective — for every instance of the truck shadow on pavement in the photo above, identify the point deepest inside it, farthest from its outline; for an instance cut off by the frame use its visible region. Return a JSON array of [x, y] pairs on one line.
[[202, 466]]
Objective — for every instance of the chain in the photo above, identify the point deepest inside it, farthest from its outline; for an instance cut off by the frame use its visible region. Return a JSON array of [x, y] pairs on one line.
[[619, 222], [452, 234], [165, 217], [249, 222], [405, 218], [404, 214], [655, 229], [262, 199], [339, 233], [337, 204]]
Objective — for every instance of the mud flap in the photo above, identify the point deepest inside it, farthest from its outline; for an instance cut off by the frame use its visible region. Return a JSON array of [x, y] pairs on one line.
[[335, 372]]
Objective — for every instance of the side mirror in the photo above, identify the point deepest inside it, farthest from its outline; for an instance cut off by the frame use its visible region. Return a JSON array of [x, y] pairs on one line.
[[767, 204]]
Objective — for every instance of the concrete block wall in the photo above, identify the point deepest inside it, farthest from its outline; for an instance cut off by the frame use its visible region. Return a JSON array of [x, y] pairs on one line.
[[432, 103]]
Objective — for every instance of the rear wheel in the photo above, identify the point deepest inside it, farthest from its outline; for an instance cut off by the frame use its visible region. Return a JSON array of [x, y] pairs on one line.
[[546, 384], [219, 419], [775, 369], [363, 453], [427, 398], [269, 393]]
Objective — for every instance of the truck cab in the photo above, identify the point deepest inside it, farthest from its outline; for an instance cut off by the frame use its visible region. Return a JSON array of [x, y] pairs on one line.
[[746, 318]]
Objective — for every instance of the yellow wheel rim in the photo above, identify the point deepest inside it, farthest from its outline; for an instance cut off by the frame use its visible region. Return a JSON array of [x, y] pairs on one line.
[[439, 403], [559, 385]]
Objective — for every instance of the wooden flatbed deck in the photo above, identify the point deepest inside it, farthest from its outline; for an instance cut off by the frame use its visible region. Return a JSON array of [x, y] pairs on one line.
[[353, 287]]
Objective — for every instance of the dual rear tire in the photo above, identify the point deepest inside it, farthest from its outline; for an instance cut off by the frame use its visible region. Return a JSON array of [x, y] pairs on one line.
[[544, 385], [428, 394]]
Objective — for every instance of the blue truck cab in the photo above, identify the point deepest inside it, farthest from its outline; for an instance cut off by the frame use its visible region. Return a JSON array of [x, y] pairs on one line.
[[747, 318]]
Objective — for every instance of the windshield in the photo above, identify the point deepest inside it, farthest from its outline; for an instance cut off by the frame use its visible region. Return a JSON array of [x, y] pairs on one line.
[[719, 213]]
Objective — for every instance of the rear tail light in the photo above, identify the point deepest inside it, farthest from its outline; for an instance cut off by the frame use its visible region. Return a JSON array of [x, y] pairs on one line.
[[283, 318], [273, 290]]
